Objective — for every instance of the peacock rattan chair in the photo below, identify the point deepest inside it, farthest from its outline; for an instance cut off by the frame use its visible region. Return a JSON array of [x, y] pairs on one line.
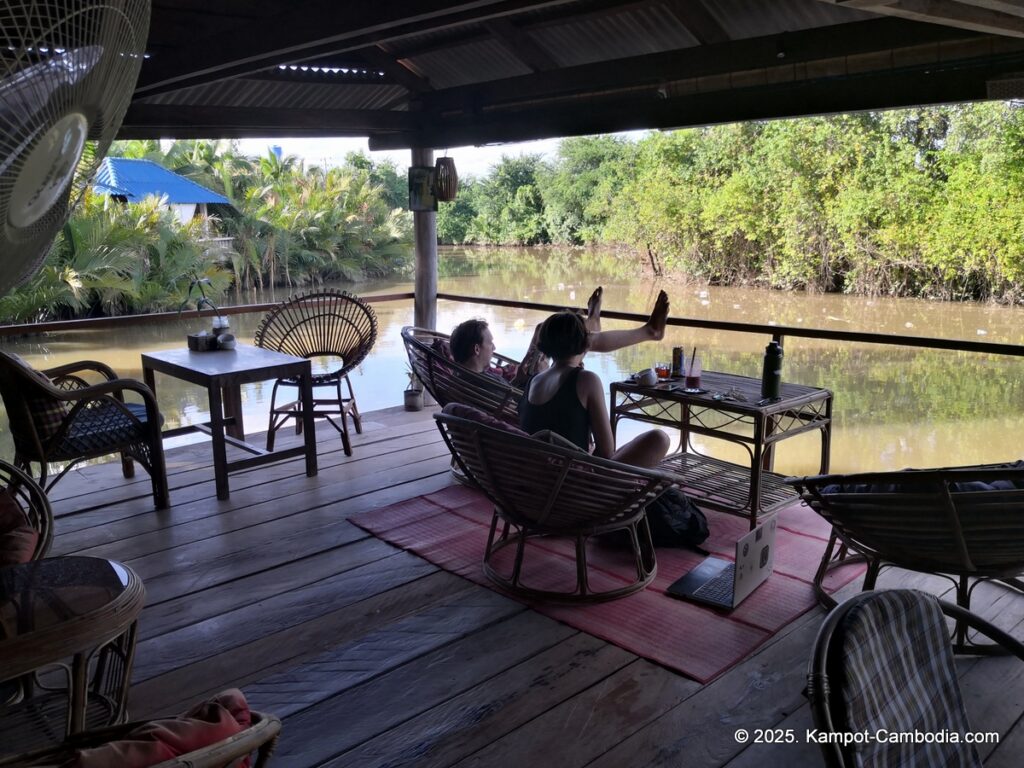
[[553, 489], [964, 523], [882, 663], [260, 737], [331, 324], [57, 416], [33, 504], [449, 382]]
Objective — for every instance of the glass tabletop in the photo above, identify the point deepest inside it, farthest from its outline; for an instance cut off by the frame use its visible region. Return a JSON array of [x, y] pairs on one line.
[[45, 593]]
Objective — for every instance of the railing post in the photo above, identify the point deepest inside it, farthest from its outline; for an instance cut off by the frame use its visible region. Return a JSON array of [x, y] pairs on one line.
[[425, 233]]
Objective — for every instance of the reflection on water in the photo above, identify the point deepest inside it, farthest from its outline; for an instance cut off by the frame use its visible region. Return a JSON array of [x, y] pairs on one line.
[[894, 407]]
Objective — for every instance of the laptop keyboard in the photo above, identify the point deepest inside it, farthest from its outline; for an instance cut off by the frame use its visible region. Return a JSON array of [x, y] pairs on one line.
[[719, 589]]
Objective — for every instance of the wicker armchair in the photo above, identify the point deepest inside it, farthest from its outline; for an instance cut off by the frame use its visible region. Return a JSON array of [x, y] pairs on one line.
[[949, 522], [449, 382], [882, 661], [328, 324], [545, 489], [57, 416], [260, 737], [34, 505]]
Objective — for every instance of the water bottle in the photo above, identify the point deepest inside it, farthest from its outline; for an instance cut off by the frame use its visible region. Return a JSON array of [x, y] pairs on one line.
[[771, 375]]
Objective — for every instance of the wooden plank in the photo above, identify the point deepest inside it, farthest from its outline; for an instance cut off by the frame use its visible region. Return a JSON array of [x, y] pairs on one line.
[[597, 719], [347, 665], [470, 721], [374, 707], [197, 521], [256, 657], [219, 634]]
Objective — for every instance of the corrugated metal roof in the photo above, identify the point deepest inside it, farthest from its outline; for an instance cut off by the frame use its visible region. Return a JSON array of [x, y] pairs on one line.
[[136, 179], [476, 62], [633, 32], [743, 19]]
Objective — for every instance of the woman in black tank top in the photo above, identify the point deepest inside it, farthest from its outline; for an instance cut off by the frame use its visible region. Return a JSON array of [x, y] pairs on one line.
[[571, 401]]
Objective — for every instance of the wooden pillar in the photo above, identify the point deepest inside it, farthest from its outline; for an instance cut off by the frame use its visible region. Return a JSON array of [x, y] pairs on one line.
[[425, 234]]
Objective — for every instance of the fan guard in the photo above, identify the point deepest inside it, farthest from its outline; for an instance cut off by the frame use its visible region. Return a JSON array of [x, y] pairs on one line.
[[67, 73]]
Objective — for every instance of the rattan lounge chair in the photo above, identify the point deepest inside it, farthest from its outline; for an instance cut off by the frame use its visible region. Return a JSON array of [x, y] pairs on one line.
[[449, 382], [57, 416], [260, 737], [882, 662], [553, 489], [330, 324], [34, 505], [950, 522]]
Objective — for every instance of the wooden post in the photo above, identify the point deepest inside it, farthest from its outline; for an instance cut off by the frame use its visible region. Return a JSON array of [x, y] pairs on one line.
[[425, 233]]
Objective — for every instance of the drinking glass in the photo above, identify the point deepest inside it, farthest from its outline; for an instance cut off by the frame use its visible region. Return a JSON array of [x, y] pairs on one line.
[[693, 374], [662, 369]]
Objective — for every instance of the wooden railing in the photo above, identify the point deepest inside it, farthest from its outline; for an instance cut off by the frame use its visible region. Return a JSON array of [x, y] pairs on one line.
[[777, 332]]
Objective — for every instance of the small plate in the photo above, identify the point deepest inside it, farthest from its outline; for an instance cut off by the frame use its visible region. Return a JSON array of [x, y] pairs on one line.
[[694, 391]]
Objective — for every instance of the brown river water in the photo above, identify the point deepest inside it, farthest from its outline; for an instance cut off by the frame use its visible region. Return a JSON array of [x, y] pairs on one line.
[[894, 406]]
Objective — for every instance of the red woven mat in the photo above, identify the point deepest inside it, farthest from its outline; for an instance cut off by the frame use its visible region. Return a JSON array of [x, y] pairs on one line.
[[449, 528]]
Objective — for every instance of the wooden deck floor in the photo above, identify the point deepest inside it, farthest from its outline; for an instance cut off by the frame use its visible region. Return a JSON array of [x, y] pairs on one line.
[[373, 657]]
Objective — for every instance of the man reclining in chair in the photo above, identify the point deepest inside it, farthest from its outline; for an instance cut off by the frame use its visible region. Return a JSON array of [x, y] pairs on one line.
[[472, 344]]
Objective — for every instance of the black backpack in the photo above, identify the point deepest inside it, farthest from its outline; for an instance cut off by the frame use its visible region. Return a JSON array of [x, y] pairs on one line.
[[676, 521]]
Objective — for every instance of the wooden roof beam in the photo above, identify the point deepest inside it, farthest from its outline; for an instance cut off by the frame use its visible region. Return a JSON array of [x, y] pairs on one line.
[[975, 15]]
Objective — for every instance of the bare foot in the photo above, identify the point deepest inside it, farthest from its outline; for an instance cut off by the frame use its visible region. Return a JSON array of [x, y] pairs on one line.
[[655, 326], [593, 322]]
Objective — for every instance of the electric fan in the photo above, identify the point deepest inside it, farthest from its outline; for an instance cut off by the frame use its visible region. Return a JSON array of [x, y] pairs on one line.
[[67, 72]]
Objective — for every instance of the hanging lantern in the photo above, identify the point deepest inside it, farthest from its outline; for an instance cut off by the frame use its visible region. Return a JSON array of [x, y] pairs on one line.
[[446, 180]]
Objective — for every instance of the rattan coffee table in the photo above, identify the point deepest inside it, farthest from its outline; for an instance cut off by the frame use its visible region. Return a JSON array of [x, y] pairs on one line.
[[729, 409], [67, 633]]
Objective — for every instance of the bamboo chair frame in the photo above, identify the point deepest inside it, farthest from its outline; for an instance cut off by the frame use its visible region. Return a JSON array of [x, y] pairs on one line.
[[33, 502], [919, 520], [449, 382], [825, 671], [97, 423], [260, 737], [542, 489], [321, 323]]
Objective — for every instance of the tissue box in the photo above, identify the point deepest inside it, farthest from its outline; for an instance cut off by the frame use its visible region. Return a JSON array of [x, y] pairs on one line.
[[198, 343]]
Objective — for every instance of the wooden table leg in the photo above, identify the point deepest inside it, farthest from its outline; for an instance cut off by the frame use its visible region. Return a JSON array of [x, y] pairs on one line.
[[233, 409], [220, 456], [308, 427]]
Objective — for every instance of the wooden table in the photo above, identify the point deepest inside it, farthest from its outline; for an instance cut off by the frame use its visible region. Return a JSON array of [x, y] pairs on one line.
[[731, 409], [222, 373], [52, 610]]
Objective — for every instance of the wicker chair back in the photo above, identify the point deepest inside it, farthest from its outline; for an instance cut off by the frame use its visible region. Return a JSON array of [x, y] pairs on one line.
[[33, 503]]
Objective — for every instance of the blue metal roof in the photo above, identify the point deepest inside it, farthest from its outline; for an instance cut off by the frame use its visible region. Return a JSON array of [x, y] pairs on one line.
[[136, 179]]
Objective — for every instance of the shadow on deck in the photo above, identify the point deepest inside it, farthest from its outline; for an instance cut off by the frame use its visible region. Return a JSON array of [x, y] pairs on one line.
[[373, 657]]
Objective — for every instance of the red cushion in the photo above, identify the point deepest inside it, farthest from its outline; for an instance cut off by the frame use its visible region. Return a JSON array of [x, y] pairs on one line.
[[470, 413], [442, 347], [207, 723], [18, 539]]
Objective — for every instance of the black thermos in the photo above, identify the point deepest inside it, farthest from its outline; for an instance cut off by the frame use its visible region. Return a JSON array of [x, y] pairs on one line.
[[771, 375]]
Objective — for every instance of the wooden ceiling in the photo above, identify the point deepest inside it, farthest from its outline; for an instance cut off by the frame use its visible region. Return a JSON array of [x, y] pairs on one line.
[[440, 73]]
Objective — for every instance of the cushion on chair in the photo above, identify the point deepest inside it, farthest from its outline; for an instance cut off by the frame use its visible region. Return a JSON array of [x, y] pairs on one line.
[[468, 412], [966, 486], [443, 348], [48, 413], [900, 678], [18, 539], [207, 723]]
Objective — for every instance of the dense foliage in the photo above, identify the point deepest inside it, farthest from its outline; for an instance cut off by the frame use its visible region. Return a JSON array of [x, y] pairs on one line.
[[924, 202], [288, 225]]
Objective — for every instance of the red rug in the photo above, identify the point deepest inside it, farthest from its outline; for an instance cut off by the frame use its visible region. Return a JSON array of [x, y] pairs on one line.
[[449, 528]]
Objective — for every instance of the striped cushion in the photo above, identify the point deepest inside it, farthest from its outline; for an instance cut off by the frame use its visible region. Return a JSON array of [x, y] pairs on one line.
[[900, 677], [48, 413]]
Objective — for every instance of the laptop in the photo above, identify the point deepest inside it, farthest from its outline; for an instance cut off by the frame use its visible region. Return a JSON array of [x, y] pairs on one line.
[[724, 583]]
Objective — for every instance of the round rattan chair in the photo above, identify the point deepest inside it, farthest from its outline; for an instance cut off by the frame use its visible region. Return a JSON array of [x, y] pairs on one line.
[[327, 323], [32, 501]]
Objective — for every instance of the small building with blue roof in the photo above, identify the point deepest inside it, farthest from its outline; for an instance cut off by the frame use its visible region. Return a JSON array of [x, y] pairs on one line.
[[133, 180]]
